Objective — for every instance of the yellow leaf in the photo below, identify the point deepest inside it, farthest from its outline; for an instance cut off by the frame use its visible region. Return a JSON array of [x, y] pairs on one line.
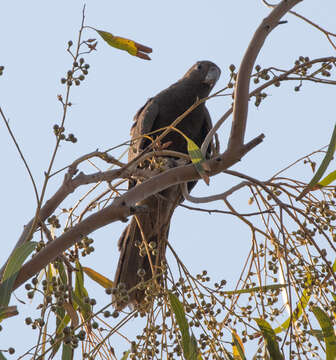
[[196, 156], [328, 179], [238, 347], [303, 302], [197, 159], [132, 47], [98, 278]]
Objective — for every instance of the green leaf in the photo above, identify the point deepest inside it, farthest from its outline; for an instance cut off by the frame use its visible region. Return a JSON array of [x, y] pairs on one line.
[[255, 289], [57, 342], [125, 356], [326, 161], [132, 47], [60, 325], [328, 179], [85, 308], [62, 318], [328, 332], [62, 273], [49, 273], [80, 292], [67, 352], [182, 322], [12, 269], [270, 338], [195, 154], [197, 159], [193, 349], [2, 356], [298, 311], [323, 167]]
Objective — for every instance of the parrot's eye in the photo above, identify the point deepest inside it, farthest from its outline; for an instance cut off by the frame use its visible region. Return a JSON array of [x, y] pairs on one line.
[[199, 67]]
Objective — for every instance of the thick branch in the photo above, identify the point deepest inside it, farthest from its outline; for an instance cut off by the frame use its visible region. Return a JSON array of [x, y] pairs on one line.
[[69, 185], [123, 206], [241, 96], [69, 238]]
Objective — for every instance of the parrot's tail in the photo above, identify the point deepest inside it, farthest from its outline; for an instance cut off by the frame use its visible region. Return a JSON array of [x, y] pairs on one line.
[[142, 248]]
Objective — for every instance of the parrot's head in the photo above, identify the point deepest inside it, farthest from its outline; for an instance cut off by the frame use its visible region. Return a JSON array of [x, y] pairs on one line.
[[204, 72]]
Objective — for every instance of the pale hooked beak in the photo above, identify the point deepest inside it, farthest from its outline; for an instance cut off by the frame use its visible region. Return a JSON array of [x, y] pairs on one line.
[[212, 76]]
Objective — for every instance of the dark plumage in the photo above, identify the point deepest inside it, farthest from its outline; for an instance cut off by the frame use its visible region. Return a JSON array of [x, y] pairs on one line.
[[158, 112]]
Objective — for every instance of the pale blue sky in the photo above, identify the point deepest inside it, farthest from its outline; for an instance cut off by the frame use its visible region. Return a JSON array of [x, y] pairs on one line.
[[34, 35]]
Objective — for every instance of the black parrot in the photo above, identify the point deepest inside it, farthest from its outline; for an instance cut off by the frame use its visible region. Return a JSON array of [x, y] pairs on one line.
[[150, 230]]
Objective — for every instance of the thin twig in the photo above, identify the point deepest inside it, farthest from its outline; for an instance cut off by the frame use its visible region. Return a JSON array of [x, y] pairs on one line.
[[215, 211], [206, 199], [21, 154], [327, 33]]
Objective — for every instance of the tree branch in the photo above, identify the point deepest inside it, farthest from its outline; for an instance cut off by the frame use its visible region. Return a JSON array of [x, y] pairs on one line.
[[122, 206], [241, 95], [215, 211], [327, 33], [206, 199], [283, 76]]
